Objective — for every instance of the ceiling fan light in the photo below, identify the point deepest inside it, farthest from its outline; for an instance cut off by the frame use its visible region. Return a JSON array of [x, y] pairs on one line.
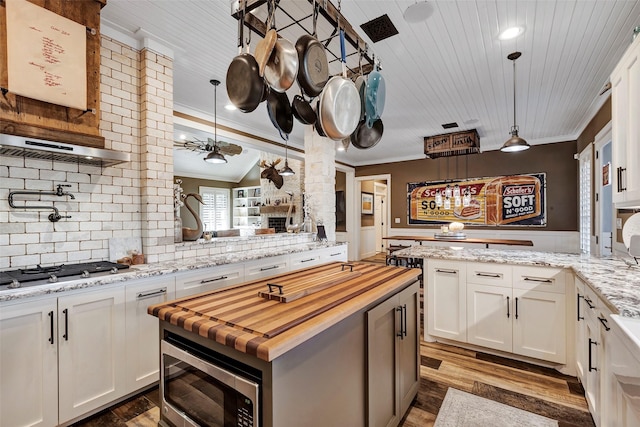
[[286, 170], [230, 107], [511, 33], [418, 12]]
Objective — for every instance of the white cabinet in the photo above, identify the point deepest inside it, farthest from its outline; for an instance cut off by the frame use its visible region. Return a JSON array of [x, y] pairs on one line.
[[246, 207], [393, 375], [265, 267], [332, 254], [91, 359], [29, 363], [580, 332], [446, 299], [304, 260], [622, 382], [207, 279], [489, 316], [142, 343], [625, 128]]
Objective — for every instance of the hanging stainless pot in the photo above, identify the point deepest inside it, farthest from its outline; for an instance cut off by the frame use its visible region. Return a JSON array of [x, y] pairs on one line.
[[282, 67], [318, 124], [366, 137], [339, 103], [245, 87], [313, 66]]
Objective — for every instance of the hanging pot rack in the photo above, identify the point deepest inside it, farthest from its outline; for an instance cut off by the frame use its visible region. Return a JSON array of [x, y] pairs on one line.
[[328, 11]]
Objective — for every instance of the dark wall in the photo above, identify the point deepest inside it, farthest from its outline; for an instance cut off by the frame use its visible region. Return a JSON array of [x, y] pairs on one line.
[[556, 160], [602, 117]]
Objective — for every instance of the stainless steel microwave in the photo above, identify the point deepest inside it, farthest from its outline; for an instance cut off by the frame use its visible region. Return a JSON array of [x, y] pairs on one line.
[[197, 391]]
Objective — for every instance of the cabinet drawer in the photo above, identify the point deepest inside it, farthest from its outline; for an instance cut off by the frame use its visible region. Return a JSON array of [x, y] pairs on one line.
[[304, 260], [337, 253], [539, 279], [489, 274], [259, 269], [208, 279]]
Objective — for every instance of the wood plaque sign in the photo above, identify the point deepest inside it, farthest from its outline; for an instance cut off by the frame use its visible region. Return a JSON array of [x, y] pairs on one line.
[[514, 200], [452, 144]]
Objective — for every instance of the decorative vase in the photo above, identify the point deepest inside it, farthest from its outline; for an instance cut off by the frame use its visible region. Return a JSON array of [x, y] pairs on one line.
[[177, 229]]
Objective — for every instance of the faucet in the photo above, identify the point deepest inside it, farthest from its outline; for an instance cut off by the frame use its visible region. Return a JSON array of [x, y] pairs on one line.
[[55, 216], [59, 191]]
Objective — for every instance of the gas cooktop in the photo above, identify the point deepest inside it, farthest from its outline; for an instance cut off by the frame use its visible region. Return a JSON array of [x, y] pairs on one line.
[[20, 278]]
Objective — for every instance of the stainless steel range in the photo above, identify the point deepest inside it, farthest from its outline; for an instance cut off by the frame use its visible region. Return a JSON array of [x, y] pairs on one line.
[[20, 278]]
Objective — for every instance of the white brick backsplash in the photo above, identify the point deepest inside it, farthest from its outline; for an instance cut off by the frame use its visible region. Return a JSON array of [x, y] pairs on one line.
[[40, 248], [24, 260], [12, 161], [13, 184], [12, 227], [13, 250], [50, 237], [19, 172], [37, 163]]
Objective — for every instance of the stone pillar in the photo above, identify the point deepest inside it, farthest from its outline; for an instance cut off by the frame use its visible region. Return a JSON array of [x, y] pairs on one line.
[[156, 155], [320, 180]]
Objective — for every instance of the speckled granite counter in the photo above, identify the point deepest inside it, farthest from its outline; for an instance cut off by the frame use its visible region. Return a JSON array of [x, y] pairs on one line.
[[616, 281], [161, 268]]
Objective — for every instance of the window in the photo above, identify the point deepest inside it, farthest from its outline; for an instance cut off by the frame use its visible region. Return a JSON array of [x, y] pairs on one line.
[[585, 200], [215, 211]]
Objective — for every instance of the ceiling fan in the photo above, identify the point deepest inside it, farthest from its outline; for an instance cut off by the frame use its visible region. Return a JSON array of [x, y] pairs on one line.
[[200, 146]]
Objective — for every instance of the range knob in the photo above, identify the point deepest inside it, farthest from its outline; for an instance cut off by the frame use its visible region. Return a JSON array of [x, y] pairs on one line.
[[14, 284], [113, 270], [53, 278], [85, 274]]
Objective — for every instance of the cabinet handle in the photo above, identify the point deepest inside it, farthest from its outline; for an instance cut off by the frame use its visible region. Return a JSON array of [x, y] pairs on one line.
[[439, 270], [307, 260], [604, 323], [152, 293], [591, 368], [65, 312], [618, 177], [533, 279], [495, 276], [213, 280], [516, 307], [508, 314], [268, 268], [404, 315], [399, 334], [51, 326], [578, 307], [589, 302], [623, 179], [336, 254]]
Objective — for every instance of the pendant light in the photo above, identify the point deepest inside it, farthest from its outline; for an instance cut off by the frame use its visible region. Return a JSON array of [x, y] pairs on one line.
[[215, 156], [515, 143], [286, 170]]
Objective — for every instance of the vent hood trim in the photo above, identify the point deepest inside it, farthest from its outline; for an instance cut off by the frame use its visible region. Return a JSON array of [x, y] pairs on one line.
[[20, 146]]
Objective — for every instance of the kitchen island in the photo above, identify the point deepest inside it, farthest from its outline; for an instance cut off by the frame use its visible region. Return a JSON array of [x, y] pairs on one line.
[[335, 344]]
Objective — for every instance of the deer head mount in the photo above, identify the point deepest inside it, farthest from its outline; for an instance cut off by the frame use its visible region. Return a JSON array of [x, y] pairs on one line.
[[271, 173]]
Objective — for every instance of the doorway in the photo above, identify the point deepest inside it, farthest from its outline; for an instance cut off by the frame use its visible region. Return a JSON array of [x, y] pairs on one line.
[[380, 215], [603, 194]]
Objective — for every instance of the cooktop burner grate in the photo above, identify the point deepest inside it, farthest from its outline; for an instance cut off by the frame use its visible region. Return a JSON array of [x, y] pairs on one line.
[[57, 273]]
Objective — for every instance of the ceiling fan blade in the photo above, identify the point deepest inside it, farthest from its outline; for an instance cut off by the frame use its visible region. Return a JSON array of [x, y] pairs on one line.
[[228, 148]]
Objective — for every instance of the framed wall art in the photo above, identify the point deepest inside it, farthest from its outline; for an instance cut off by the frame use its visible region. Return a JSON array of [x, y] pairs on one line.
[[367, 204]]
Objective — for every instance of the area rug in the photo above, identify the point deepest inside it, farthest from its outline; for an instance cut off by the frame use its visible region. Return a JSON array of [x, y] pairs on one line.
[[460, 409]]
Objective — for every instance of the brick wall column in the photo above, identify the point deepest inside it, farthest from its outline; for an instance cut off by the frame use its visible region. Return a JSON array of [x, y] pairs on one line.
[[320, 180], [156, 155]]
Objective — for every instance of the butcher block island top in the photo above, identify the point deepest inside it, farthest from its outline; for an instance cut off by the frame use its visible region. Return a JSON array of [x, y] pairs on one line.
[[268, 317]]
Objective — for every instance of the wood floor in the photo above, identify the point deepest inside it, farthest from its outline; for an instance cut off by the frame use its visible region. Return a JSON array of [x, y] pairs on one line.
[[532, 388]]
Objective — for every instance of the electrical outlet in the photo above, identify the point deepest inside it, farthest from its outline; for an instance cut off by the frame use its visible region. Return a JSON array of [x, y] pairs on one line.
[[397, 220], [619, 223]]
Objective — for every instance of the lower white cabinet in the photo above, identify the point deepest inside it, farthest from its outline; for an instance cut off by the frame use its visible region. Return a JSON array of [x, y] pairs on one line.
[[446, 299], [514, 309], [29, 363], [393, 347], [265, 267], [208, 279], [332, 254], [91, 350], [301, 260], [142, 343]]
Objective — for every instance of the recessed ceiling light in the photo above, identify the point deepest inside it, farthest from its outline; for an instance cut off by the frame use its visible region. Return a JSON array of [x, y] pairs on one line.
[[183, 136], [230, 107], [418, 12], [511, 33]]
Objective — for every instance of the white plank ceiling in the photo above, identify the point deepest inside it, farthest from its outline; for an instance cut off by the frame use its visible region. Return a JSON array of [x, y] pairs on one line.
[[449, 68]]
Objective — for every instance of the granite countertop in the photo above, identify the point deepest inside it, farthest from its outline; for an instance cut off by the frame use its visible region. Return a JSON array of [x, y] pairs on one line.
[[161, 268], [617, 281]]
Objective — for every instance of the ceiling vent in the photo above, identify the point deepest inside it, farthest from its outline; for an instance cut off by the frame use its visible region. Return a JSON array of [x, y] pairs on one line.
[[379, 28], [450, 125]]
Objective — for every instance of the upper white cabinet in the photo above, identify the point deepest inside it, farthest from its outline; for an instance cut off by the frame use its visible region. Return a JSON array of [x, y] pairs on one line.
[[625, 130]]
